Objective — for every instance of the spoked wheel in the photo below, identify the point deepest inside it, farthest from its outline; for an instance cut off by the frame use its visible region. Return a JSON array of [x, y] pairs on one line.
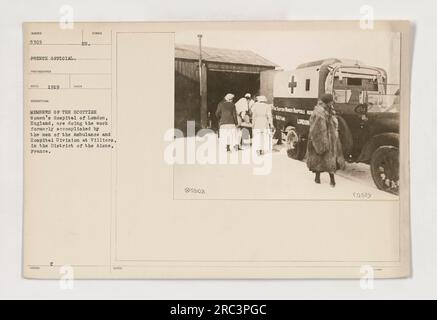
[[294, 145], [384, 166]]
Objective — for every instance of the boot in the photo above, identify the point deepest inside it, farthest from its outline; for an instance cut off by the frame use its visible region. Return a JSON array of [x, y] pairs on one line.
[[332, 178]]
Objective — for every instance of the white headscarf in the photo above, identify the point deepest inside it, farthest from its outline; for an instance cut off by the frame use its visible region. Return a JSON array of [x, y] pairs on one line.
[[229, 97]]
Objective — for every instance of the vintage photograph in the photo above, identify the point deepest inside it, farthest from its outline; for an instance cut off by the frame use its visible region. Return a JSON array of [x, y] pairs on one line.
[[316, 112], [216, 150]]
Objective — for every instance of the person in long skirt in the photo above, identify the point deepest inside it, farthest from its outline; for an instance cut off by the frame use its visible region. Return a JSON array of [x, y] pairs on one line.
[[244, 113], [262, 123], [227, 117]]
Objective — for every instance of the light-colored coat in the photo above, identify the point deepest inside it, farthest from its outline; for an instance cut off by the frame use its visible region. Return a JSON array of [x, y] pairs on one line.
[[324, 151], [261, 116]]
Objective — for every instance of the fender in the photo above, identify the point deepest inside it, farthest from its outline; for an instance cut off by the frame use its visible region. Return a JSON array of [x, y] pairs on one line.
[[384, 139], [288, 124]]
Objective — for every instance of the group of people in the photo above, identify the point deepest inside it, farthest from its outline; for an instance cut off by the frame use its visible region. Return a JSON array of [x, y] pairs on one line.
[[245, 120]]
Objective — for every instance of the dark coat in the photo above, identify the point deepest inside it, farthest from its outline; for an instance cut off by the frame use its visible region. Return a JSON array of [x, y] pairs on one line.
[[226, 113], [324, 151]]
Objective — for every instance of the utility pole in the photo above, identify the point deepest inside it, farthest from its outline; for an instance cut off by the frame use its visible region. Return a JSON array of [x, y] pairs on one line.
[[200, 64]]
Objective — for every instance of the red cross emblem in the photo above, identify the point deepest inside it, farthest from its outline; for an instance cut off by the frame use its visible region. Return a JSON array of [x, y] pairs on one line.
[[292, 84]]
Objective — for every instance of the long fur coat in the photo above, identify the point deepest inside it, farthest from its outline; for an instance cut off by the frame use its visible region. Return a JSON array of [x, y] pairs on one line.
[[324, 151]]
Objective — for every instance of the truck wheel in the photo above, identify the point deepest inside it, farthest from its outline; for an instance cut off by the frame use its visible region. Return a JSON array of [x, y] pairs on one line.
[[295, 148], [384, 167]]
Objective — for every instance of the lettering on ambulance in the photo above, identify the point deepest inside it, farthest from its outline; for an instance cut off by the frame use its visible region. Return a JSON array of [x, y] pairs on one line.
[[294, 111], [294, 105]]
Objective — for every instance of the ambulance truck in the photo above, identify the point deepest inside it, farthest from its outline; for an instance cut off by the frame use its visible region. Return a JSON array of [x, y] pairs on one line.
[[366, 105]]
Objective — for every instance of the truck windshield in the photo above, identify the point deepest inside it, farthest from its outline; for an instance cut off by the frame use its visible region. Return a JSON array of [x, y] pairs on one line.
[[351, 85], [364, 85]]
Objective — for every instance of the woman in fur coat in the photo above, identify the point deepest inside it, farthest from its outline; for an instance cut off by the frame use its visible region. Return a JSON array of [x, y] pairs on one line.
[[324, 147]]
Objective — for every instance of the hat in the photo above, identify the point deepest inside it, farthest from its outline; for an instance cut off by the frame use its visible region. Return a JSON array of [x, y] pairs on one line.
[[247, 95], [261, 99], [327, 98], [229, 97]]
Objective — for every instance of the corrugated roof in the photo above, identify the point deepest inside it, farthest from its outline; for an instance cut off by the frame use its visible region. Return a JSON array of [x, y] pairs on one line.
[[219, 55]]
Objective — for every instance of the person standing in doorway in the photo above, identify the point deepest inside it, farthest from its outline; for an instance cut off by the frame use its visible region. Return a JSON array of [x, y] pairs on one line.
[[244, 115], [227, 117], [324, 147]]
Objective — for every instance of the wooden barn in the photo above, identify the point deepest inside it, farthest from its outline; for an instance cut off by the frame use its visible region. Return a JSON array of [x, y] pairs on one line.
[[223, 71]]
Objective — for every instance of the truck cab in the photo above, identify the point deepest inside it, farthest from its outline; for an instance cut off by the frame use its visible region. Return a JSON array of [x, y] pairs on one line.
[[366, 106]]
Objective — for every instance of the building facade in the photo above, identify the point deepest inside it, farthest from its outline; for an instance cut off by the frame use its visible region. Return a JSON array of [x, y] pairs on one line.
[[223, 71]]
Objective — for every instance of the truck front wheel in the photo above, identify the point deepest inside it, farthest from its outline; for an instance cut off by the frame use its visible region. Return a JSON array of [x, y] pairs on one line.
[[384, 167], [295, 146]]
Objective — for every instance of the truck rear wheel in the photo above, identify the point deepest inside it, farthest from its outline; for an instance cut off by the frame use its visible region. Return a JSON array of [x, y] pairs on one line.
[[384, 167], [295, 145]]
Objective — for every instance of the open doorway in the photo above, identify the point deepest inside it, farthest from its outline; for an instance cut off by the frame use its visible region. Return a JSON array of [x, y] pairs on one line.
[[220, 83]]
